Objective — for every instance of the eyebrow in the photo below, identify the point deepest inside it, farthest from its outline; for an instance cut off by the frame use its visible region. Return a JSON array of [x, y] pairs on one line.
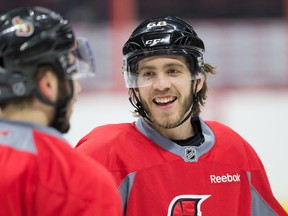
[[176, 64], [173, 64]]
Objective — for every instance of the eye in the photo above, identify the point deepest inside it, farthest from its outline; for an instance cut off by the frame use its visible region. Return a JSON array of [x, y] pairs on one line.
[[173, 71], [147, 74]]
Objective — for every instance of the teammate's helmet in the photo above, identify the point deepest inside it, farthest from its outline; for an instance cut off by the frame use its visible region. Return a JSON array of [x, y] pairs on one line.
[[30, 37], [162, 36]]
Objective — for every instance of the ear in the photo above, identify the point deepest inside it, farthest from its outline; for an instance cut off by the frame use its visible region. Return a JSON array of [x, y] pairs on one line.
[[48, 85], [200, 83]]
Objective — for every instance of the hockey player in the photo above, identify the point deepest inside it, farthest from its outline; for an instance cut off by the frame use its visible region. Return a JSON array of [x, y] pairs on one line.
[[170, 161], [40, 173]]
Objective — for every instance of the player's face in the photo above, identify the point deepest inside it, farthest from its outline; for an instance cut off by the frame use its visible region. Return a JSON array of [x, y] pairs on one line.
[[168, 97]]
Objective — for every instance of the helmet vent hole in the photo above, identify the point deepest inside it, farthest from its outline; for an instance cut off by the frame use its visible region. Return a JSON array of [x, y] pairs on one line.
[[185, 41], [189, 41], [132, 47]]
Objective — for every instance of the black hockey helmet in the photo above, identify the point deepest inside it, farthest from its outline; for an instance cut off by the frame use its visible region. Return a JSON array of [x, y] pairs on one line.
[[29, 38], [162, 36]]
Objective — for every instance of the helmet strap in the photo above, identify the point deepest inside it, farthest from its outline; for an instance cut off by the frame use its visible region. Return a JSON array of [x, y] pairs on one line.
[[138, 106], [60, 108]]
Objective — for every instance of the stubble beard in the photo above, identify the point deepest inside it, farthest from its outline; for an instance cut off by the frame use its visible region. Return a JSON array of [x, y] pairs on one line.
[[166, 119]]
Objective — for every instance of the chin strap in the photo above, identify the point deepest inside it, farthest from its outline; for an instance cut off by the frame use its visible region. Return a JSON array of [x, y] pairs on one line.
[[138, 106], [60, 109]]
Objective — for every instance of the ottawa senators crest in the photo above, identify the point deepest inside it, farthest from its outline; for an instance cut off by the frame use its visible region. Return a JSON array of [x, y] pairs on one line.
[[188, 205], [23, 28]]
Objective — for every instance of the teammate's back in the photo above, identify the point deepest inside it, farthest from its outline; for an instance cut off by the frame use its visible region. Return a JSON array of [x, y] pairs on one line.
[[42, 175]]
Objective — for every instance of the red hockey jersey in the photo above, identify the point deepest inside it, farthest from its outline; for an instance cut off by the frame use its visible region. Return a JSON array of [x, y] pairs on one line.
[[157, 177], [41, 175]]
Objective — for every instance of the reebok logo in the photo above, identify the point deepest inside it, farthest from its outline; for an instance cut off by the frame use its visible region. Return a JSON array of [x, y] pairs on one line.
[[214, 179]]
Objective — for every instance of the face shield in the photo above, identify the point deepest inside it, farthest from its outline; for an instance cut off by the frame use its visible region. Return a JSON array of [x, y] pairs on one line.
[[137, 79], [81, 60]]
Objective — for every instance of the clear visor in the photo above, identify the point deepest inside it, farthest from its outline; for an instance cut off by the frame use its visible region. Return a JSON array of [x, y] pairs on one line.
[[134, 80], [177, 75], [84, 64]]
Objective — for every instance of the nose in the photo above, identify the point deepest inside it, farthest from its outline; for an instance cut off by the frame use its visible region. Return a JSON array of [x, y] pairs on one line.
[[162, 82]]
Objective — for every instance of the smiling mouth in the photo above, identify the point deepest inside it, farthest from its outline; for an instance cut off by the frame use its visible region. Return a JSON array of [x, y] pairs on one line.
[[164, 101]]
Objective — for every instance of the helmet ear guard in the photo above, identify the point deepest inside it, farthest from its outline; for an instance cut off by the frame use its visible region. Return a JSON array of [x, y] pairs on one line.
[[14, 85]]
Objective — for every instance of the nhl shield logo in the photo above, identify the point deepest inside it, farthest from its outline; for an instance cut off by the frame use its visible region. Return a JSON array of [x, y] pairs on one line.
[[190, 154]]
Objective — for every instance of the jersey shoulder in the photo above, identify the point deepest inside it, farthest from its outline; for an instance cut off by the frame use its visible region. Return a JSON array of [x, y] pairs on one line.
[[230, 146], [109, 135]]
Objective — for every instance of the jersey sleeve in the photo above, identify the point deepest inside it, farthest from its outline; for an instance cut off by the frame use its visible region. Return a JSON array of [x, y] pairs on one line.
[[241, 154], [263, 201]]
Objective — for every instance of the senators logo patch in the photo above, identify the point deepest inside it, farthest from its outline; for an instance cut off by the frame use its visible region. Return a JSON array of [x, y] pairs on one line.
[[188, 205], [23, 28]]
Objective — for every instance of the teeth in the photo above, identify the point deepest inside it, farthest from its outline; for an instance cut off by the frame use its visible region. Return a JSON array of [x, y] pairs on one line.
[[163, 100]]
